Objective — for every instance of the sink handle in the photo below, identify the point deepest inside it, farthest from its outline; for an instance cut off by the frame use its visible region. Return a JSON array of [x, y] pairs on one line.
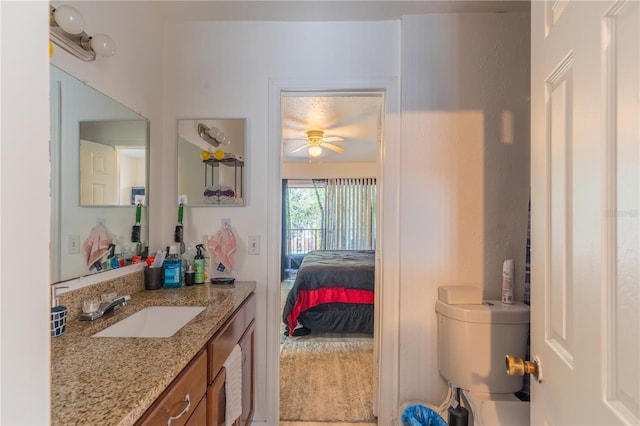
[[183, 412]]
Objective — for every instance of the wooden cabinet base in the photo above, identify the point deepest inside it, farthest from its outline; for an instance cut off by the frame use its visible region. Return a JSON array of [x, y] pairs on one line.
[[197, 396]]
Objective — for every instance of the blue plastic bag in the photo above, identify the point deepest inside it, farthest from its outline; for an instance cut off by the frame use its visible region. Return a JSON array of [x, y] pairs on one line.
[[419, 415]]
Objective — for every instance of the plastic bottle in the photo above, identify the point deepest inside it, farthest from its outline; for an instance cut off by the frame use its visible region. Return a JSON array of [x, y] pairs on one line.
[[507, 281], [187, 259], [207, 258], [172, 269], [198, 265]]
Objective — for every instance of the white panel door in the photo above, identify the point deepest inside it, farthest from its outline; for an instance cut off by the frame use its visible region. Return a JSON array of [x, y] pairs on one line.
[[585, 201], [98, 174]]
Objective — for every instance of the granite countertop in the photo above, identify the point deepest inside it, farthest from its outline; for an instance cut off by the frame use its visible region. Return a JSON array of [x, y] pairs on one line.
[[113, 381]]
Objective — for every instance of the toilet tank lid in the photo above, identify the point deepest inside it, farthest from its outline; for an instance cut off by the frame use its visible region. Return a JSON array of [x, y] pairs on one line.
[[489, 312]]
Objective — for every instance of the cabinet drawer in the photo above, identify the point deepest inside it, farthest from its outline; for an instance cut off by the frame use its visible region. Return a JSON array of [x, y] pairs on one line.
[[199, 416], [221, 345], [186, 391]]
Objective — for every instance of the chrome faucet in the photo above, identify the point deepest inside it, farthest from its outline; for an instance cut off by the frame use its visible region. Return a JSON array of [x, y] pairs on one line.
[[105, 308]]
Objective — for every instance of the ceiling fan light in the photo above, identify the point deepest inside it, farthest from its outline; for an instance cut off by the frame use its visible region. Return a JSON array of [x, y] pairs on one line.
[[315, 151]]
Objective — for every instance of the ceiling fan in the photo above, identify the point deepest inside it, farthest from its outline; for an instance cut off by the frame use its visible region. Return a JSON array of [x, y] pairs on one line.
[[316, 141]]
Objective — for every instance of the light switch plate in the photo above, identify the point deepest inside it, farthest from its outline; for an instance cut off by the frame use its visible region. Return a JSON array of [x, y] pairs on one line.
[[254, 244], [74, 244]]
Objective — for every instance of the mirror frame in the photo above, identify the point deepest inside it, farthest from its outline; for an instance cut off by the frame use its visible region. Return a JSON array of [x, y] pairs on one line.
[[71, 226], [206, 180]]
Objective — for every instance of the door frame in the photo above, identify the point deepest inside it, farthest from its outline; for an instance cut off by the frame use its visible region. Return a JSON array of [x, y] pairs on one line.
[[386, 311]]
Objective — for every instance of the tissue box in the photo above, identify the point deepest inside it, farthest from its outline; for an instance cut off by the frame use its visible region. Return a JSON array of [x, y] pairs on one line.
[[460, 295]]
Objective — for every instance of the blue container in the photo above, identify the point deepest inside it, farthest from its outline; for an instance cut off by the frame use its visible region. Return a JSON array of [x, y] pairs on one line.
[[172, 269], [419, 415], [58, 320]]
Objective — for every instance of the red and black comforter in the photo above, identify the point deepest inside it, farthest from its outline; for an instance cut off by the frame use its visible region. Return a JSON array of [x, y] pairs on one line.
[[333, 292]]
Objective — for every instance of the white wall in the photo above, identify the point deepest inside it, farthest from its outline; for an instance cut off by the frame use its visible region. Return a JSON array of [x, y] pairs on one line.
[[465, 179], [223, 69], [25, 206]]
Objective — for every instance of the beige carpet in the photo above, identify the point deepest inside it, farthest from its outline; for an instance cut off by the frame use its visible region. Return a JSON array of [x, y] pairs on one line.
[[326, 379]]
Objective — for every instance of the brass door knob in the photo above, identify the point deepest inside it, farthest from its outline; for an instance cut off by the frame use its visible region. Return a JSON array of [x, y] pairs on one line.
[[516, 366]]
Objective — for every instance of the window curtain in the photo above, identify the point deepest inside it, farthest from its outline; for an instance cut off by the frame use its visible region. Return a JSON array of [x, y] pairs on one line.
[[284, 255], [351, 214]]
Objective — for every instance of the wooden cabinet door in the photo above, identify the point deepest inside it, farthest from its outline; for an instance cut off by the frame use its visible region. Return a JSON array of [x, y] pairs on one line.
[[216, 400]]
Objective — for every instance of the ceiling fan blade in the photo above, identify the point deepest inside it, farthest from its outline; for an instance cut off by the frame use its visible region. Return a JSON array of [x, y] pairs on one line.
[[332, 147], [332, 139], [300, 148]]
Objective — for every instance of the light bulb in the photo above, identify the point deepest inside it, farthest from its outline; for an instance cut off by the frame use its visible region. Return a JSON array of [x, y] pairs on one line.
[[214, 132], [315, 151], [103, 45], [69, 19]]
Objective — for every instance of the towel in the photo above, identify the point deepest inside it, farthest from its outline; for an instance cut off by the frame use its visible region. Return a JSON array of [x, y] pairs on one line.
[[96, 246], [233, 385], [223, 245]]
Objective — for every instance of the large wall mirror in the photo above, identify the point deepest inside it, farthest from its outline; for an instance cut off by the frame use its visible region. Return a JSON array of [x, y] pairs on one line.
[[99, 164], [211, 161]]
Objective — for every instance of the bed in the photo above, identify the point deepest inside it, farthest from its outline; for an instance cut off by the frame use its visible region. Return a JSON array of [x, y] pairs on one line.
[[333, 292]]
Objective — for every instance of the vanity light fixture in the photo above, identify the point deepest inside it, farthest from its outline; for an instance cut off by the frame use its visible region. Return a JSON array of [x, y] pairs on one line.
[[66, 29], [315, 150], [212, 135]]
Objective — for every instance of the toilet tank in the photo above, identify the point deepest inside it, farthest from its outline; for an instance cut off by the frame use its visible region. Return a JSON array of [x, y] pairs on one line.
[[473, 341]]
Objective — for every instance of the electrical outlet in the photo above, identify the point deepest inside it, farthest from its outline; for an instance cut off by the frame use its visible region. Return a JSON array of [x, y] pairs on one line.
[[182, 199], [254, 244], [74, 244], [139, 199], [226, 222]]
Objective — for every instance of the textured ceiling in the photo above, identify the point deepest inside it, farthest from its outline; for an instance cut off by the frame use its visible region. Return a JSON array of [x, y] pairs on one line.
[[356, 118]]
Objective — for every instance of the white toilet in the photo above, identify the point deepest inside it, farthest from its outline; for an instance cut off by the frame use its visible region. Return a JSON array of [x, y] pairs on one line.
[[473, 340]]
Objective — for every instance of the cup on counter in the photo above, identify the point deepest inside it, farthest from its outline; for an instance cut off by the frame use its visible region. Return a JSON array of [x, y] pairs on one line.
[[189, 278], [108, 297], [153, 278], [90, 306], [58, 320]]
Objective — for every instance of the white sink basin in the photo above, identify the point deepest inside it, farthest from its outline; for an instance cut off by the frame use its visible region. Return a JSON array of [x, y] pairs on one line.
[[154, 321]]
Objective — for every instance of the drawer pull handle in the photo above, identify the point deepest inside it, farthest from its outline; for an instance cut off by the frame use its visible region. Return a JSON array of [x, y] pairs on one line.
[[186, 409]]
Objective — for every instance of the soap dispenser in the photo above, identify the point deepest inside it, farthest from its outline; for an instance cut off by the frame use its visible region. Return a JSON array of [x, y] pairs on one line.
[[198, 264]]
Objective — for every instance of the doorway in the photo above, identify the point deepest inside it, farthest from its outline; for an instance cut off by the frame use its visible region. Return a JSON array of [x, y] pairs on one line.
[[386, 315], [329, 167]]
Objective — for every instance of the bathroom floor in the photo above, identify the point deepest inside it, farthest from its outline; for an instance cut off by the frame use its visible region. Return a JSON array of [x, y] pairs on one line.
[[324, 424]]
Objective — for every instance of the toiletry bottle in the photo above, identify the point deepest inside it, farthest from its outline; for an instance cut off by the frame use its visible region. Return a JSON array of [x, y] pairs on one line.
[[198, 264], [207, 258], [507, 281], [187, 259], [115, 260], [172, 269]]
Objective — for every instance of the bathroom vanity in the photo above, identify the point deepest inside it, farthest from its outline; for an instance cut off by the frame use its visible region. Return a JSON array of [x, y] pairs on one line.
[[144, 381]]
